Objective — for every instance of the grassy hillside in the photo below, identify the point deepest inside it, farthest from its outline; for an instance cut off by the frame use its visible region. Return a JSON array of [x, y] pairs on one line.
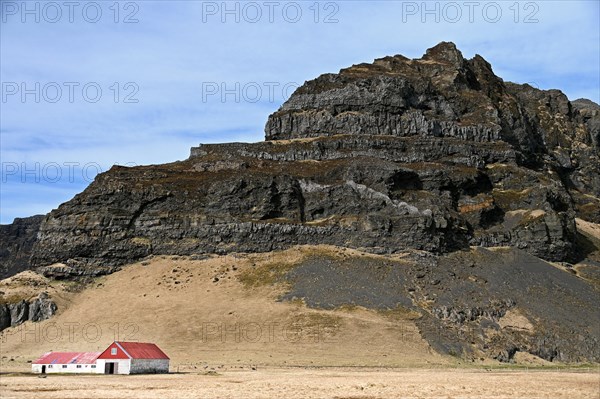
[[222, 311]]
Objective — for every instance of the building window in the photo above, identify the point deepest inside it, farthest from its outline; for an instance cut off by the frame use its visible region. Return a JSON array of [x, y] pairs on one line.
[[64, 366], [79, 366], [93, 366], [49, 366], [113, 351]]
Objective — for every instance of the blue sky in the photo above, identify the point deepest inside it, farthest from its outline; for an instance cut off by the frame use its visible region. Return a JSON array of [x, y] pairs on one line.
[[140, 82]]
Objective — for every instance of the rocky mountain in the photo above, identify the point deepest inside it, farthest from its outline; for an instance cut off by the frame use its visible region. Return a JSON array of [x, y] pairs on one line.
[[436, 153], [429, 156]]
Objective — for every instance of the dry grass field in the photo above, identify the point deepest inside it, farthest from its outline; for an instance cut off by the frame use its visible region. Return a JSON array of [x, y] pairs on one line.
[[218, 311], [312, 383], [228, 336]]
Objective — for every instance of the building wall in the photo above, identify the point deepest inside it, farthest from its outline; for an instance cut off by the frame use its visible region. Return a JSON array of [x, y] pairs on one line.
[[134, 366], [58, 368], [122, 368], [139, 366]]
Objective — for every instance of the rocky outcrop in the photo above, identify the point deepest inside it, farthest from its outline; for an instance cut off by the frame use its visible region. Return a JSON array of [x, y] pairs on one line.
[[435, 154], [41, 308], [5, 319], [76, 270], [38, 309], [16, 241], [444, 95], [19, 312], [400, 97]]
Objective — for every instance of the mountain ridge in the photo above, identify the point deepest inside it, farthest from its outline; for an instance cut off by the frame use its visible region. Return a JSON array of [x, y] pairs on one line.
[[441, 134], [476, 183]]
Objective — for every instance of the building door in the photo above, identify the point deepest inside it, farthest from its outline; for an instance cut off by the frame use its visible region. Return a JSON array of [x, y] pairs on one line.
[[44, 369], [109, 368]]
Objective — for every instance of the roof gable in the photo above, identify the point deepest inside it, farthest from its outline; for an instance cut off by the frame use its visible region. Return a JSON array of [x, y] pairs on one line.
[[114, 351]]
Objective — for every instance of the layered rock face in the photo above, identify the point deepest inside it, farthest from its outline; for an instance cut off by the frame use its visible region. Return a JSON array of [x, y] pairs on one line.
[[436, 154], [16, 243], [443, 95]]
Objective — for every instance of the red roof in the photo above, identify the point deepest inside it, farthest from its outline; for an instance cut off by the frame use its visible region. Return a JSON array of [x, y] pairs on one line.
[[133, 350], [68, 358], [141, 350]]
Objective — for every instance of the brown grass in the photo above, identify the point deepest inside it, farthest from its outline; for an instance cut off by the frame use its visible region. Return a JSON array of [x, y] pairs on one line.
[[401, 313], [265, 274], [206, 315], [312, 383]]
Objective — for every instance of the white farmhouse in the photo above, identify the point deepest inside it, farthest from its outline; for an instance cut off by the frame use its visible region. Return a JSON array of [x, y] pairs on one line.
[[118, 358]]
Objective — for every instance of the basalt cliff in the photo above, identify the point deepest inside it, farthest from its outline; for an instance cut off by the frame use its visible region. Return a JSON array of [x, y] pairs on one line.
[[436, 154]]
